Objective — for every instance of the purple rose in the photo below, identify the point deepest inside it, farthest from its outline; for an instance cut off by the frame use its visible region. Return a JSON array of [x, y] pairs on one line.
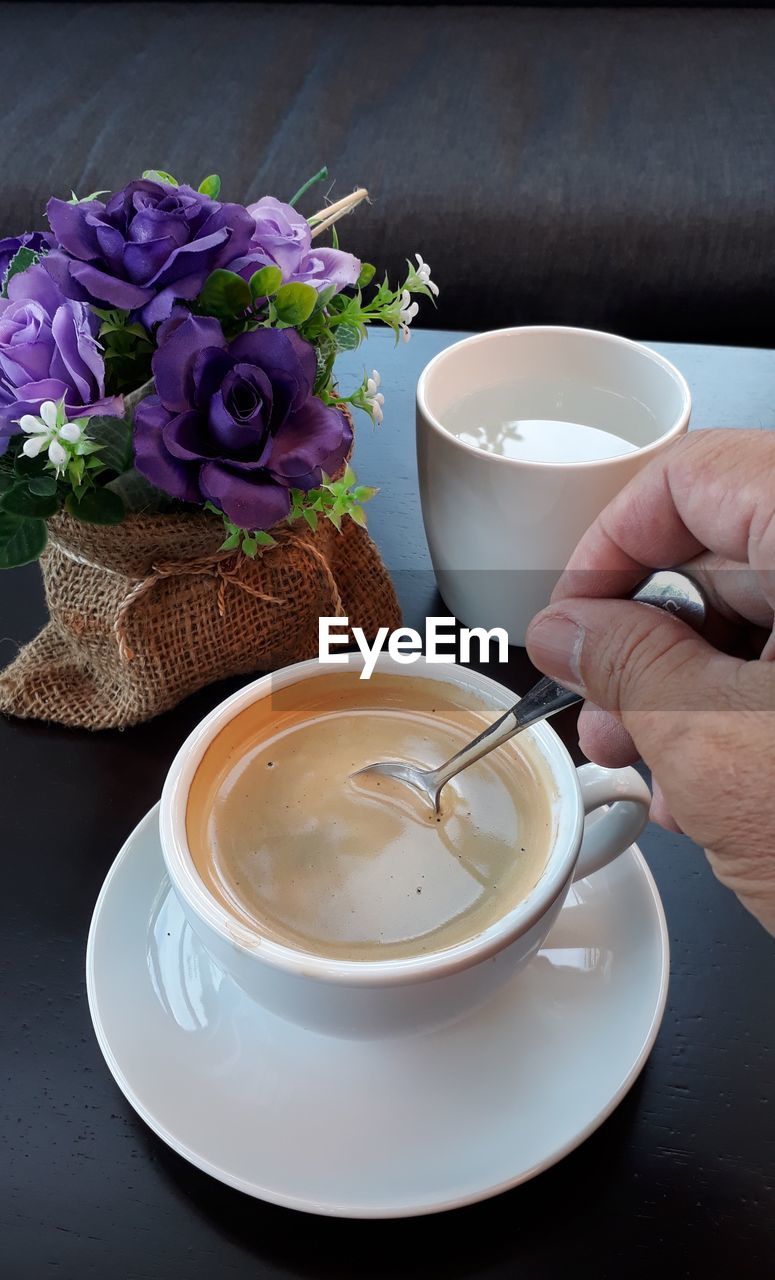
[[236, 423], [282, 238], [48, 351], [37, 241], [149, 245]]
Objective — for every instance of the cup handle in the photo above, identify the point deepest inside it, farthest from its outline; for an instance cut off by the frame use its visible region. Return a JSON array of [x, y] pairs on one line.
[[616, 802]]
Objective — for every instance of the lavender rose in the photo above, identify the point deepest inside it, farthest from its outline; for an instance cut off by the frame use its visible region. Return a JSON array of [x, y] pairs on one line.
[[37, 241], [236, 423], [151, 244], [282, 238], [48, 351]]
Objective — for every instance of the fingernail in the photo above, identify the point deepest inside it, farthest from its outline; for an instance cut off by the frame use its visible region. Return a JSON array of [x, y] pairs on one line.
[[554, 645]]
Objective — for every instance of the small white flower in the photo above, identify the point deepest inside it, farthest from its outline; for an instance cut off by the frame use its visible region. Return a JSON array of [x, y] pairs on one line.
[[49, 415], [407, 313], [424, 276], [32, 447], [57, 454], [32, 425], [409, 309], [47, 431], [374, 397]]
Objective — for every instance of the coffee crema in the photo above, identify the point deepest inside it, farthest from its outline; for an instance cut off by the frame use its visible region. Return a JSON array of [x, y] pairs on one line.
[[360, 869]]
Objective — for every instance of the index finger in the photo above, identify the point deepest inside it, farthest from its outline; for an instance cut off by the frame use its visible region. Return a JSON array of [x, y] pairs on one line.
[[709, 491]]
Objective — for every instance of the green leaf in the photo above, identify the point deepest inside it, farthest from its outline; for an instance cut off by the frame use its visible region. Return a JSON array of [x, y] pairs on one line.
[[264, 539], [368, 272], [98, 506], [7, 481], [339, 303], [325, 296], [138, 494], [24, 466], [348, 337], [158, 175], [311, 517], [20, 540], [364, 493], [224, 294], [18, 501], [294, 303], [116, 340], [265, 282], [21, 260], [210, 186], [95, 195], [44, 486], [232, 541], [249, 547], [75, 471], [325, 355], [315, 327], [127, 351], [334, 236], [114, 435]]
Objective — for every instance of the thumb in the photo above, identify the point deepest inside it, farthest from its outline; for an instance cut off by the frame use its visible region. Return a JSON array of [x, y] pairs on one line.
[[642, 665], [700, 719]]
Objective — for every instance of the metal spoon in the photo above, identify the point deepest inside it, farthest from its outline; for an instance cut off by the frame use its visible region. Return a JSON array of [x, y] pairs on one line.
[[667, 589]]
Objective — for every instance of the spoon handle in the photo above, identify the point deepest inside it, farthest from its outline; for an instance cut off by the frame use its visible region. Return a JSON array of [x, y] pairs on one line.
[[667, 589], [544, 699]]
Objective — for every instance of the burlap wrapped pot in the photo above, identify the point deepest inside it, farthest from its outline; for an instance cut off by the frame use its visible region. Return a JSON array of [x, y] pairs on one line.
[[145, 612]]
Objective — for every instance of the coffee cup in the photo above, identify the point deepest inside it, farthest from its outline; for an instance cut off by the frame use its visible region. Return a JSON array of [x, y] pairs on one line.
[[596, 814], [523, 437]]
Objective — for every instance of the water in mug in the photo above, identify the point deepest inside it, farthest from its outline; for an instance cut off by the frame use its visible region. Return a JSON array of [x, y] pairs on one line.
[[551, 420]]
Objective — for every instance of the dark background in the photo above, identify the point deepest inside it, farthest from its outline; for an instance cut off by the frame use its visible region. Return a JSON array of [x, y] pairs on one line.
[[679, 1181], [610, 167]]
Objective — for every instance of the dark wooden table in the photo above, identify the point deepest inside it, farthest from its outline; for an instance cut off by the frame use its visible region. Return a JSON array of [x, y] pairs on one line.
[[678, 1182]]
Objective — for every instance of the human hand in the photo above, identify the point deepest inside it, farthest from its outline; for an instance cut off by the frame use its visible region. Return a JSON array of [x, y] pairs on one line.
[[700, 710]]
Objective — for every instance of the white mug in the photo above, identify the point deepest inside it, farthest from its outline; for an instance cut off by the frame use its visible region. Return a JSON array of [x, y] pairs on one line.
[[501, 529], [358, 999]]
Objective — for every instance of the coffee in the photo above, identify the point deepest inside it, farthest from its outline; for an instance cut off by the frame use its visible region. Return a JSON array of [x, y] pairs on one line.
[[360, 869]]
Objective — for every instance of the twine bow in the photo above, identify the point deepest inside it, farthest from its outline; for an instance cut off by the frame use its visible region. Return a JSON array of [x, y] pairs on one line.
[[227, 569], [223, 568]]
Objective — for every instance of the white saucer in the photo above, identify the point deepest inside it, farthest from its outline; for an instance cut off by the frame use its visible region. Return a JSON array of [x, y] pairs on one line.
[[383, 1128]]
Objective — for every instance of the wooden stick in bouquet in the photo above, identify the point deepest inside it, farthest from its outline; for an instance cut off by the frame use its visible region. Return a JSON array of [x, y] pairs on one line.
[[326, 217]]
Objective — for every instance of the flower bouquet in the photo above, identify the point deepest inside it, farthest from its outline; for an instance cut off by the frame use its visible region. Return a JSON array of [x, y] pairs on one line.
[[174, 445]]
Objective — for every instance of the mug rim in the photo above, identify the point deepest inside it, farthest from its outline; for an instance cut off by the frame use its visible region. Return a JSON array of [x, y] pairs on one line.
[[677, 428], [513, 924]]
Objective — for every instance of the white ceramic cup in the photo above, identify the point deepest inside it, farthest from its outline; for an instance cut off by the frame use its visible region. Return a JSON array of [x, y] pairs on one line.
[[358, 999], [501, 530]]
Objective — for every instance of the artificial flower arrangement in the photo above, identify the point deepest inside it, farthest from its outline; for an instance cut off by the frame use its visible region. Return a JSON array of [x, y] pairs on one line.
[[164, 350], [167, 375]]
